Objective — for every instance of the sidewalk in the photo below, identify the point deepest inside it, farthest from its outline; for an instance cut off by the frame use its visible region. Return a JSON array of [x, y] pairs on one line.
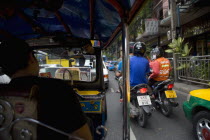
[[186, 87]]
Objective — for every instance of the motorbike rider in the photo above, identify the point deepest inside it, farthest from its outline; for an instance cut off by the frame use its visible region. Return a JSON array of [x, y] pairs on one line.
[[160, 67], [119, 70], [139, 65]]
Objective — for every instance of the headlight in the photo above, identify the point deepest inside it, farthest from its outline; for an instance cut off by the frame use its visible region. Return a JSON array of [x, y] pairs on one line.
[[188, 97]]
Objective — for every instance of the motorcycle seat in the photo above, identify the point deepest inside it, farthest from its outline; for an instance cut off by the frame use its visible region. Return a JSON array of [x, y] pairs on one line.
[[161, 84]]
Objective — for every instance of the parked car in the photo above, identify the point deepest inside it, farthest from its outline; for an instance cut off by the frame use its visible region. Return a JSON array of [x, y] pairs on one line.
[[106, 75], [112, 65], [107, 64], [197, 110]]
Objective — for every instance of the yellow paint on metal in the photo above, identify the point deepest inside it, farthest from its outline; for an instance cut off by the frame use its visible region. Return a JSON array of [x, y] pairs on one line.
[[63, 62], [88, 92], [201, 93], [92, 42]]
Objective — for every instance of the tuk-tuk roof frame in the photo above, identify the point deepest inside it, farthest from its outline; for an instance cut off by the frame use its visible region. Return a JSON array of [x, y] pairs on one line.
[[96, 25]]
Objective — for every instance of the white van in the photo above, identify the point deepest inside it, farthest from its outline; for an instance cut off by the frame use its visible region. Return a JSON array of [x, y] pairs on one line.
[[106, 75]]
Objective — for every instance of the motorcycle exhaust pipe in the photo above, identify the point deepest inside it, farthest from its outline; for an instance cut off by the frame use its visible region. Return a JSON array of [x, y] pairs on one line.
[[173, 103]]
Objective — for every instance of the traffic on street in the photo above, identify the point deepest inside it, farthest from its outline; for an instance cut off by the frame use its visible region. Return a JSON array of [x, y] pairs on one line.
[[105, 69], [175, 127]]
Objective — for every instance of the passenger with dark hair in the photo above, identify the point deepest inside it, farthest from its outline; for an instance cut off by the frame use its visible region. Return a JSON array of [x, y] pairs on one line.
[[58, 105]]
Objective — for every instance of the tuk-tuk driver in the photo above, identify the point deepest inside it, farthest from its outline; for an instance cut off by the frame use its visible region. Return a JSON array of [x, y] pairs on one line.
[[59, 106]]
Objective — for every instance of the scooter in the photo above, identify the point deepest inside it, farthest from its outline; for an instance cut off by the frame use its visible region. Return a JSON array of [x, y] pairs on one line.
[[141, 107], [165, 97]]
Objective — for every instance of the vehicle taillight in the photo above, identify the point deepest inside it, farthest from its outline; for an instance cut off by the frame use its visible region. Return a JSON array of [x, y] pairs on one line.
[[170, 86], [143, 90], [106, 76]]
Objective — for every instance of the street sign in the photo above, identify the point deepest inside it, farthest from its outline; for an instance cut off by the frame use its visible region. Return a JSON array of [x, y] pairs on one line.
[[151, 26]]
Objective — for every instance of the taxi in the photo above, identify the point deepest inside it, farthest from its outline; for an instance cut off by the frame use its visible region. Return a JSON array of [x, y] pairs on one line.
[[197, 110]]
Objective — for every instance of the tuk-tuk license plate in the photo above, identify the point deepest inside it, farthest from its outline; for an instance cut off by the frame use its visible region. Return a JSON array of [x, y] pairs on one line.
[[170, 94], [144, 100]]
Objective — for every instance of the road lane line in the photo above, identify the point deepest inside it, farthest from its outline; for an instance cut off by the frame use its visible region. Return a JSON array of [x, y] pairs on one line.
[[112, 90], [132, 136]]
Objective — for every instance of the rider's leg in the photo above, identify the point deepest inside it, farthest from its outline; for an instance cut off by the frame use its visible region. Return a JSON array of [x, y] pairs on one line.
[[121, 88]]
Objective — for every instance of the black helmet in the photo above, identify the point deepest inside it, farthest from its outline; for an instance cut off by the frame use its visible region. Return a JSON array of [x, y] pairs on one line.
[[156, 52], [139, 49], [131, 44]]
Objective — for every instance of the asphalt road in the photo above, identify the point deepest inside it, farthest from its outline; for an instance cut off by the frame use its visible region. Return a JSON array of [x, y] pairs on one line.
[[159, 127]]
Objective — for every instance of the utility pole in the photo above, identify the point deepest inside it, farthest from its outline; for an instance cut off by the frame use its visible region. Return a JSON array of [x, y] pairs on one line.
[[173, 10], [173, 18]]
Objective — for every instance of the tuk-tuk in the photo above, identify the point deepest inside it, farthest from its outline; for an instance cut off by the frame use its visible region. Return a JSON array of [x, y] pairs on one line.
[[64, 28]]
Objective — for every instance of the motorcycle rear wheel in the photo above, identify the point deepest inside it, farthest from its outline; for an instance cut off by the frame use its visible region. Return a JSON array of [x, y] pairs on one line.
[[166, 107], [142, 117]]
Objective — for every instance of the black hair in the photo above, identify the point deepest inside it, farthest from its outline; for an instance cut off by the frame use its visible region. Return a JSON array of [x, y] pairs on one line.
[[14, 55], [131, 45]]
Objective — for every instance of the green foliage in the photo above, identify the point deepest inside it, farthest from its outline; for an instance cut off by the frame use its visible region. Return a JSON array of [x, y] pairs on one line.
[[137, 26], [177, 46], [200, 70], [148, 50], [182, 66]]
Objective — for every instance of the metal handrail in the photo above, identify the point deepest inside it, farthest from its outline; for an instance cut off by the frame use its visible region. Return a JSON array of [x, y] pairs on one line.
[[44, 125], [196, 69]]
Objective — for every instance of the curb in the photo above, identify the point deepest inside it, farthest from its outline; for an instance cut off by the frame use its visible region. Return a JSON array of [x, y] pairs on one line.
[[186, 88]]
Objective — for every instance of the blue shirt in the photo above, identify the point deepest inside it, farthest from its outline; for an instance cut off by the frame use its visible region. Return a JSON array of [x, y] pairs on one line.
[[120, 66], [139, 67]]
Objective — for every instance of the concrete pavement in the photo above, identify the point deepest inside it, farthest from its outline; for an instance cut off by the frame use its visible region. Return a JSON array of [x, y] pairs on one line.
[[186, 87]]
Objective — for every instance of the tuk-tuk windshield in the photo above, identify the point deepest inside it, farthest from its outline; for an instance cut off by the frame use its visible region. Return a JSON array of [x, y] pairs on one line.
[[67, 64]]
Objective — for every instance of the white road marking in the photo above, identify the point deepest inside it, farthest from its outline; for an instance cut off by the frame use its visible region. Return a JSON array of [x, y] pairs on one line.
[[132, 136], [112, 90]]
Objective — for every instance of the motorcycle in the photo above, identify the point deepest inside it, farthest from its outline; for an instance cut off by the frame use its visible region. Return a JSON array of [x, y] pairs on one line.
[[141, 107], [165, 97]]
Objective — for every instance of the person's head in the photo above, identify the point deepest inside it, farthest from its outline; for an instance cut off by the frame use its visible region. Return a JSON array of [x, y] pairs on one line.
[[156, 52], [131, 45], [88, 48], [139, 49], [17, 57]]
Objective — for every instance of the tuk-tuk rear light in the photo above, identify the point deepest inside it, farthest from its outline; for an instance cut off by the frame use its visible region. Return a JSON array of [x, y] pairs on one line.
[[143, 90], [106, 76]]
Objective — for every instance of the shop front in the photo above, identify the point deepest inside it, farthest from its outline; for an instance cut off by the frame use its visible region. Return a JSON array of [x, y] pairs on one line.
[[197, 33]]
